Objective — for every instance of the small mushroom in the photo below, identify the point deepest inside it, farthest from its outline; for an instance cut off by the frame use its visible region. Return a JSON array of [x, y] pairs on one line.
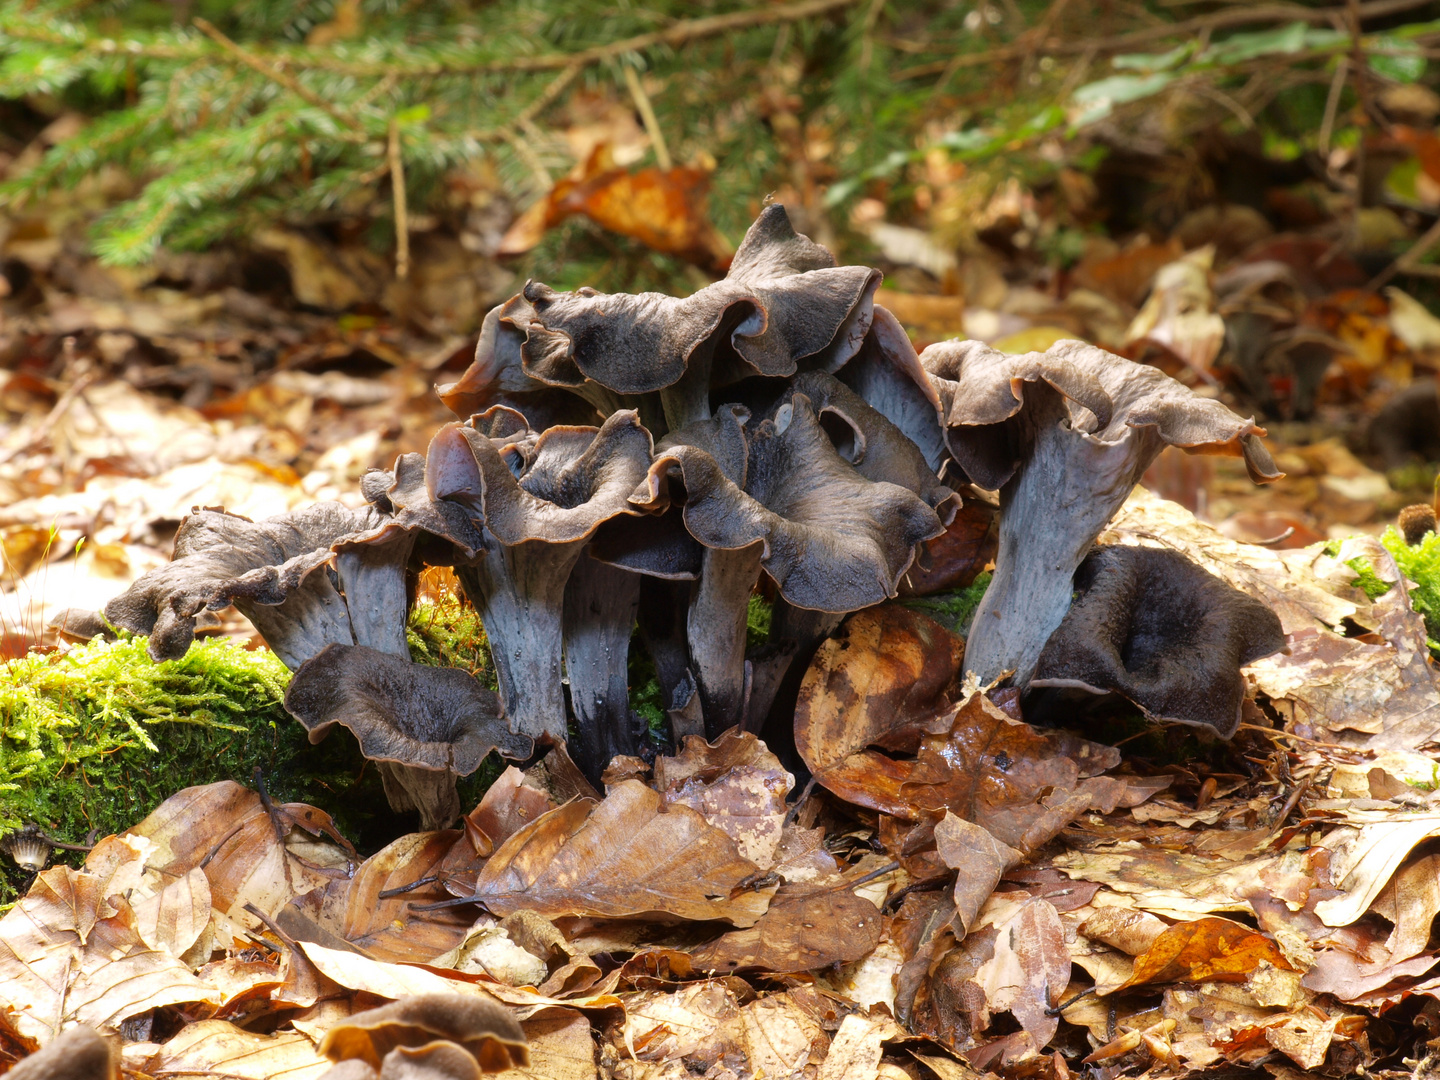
[[28, 847], [423, 726], [538, 509], [784, 305], [1415, 521], [267, 569], [1150, 625], [78, 1053], [779, 497], [1064, 436], [482, 1028]]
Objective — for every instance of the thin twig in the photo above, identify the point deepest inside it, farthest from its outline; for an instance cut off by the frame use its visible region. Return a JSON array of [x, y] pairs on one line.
[[274, 74], [1332, 106], [402, 212], [647, 116]]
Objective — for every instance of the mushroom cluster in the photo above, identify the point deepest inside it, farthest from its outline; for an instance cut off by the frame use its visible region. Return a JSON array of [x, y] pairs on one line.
[[646, 461]]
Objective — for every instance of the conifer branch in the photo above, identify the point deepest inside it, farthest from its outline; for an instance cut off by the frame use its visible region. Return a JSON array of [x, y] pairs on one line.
[[274, 74]]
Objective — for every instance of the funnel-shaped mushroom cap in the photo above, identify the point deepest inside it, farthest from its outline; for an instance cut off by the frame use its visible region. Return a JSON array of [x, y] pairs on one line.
[[831, 539], [1166, 634], [265, 568], [1106, 396], [888, 376], [878, 449], [483, 1028], [783, 304], [77, 1054], [433, 720]]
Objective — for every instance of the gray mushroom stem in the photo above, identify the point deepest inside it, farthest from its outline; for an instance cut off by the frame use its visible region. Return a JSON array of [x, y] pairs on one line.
[[519, 592], [715, 628], [1050, 514], [600, 607]]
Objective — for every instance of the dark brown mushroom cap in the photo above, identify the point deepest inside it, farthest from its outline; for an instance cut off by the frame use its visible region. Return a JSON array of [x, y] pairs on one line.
[[223, 558], [481, 1027], [497, 376], [403, 495], [982, 394], [575, 478], [878, 449], [832, 540], [411, 714], [78, 1053], [1166, 634]]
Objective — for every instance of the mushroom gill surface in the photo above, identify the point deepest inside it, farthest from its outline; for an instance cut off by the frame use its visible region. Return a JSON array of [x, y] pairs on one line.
[[1163, 632], [1064, 436]]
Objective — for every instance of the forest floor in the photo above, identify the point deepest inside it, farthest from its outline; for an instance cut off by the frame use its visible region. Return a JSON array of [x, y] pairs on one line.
[[1257, 907]]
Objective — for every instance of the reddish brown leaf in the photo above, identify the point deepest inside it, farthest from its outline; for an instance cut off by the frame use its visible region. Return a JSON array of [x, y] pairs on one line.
[[953, 559], [1205, 950], [877, 681]]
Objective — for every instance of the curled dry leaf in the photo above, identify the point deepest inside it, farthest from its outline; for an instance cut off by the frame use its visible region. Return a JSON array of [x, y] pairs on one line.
[[630, 855], [226, 828], [880, 680]]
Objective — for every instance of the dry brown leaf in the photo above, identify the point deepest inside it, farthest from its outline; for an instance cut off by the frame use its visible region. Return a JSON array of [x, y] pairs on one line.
[[1301, 1036], [885, 672], [71, 951], [390, 928], [628, 856], [979, 860], [219, 1048], [808, 926], [662, 208], [224, 829], [1205, 950], [508, 805], [356, 972], [855, 1050], [736, 785], [1029, 969]]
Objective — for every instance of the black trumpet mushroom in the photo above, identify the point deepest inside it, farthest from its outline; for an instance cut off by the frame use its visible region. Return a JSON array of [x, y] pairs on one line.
[[1064, 436]]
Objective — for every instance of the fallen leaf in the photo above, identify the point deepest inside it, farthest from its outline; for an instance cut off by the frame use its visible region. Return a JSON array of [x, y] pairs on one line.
[[737, 785], [807, 927], [628, 856], [979, 860], [1205, 950], [216, 1047]]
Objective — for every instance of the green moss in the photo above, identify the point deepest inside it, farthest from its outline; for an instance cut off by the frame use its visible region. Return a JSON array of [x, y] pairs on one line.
[[757, 621], [1366, 579], [448, 633], [953, 610], [1421, 564]]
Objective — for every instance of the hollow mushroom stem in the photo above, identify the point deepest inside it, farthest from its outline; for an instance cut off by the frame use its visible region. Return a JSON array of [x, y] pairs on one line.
[[1050, 514], [519, 592], [600, 607]]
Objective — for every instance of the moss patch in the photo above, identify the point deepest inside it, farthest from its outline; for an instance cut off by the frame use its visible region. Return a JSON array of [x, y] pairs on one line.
[[1421, 564], [953, 610]]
